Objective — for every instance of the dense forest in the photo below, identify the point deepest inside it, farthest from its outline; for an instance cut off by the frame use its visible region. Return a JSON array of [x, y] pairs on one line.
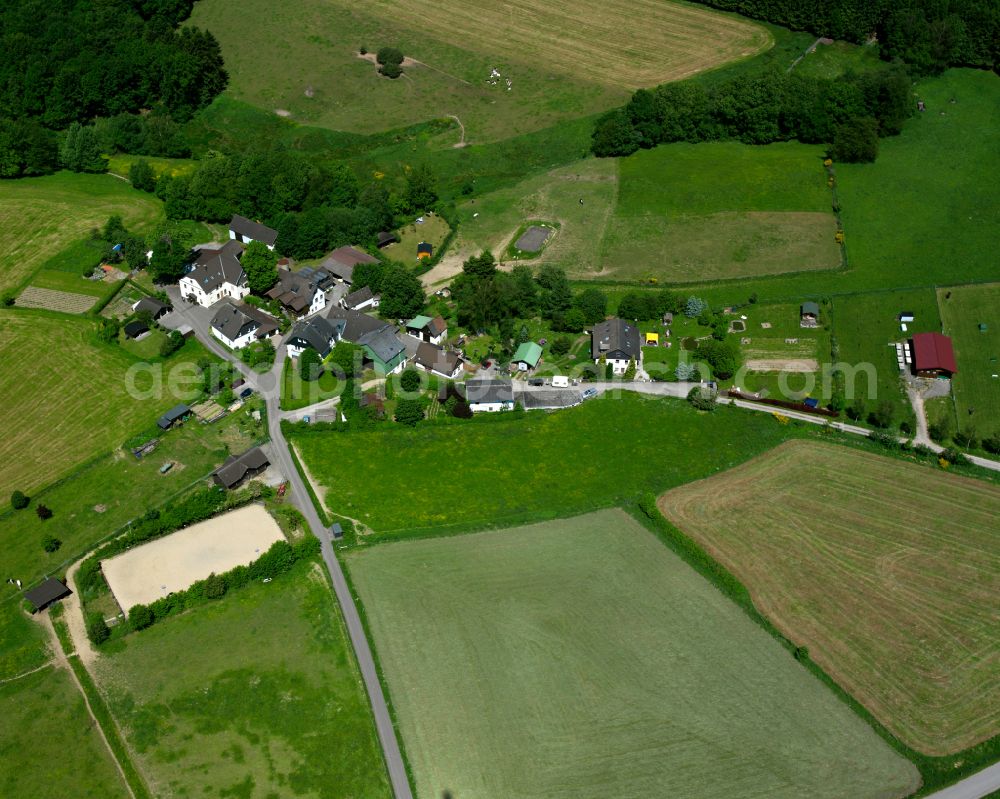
[[927, 34], [73, 61], [850, 112]]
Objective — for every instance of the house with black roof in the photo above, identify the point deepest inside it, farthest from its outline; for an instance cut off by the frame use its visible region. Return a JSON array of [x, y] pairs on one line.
[[617, 342], [135, 329], [48, 591], [174, 415], [152, 306], [363, 298], [215, 275], [315, 332], [377, 337], [438, 361], [237, 469], [246, 230], [489, 395], [237, 324]]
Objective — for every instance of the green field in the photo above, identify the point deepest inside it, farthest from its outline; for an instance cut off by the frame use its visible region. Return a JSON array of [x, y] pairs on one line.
[[582, 658], [304, 61], [887, 571], [256, 695], [434, 229], [39, 217], [865, 324], [108, 492], [545, 465], [48, 745], [78, 404], [976, 390], [833, 60]]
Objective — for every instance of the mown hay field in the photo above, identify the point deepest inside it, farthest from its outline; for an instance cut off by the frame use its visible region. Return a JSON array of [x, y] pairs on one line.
[[255, 695], [564, 60], [580, 657], [41, 216], [887, 571], [66, 398]]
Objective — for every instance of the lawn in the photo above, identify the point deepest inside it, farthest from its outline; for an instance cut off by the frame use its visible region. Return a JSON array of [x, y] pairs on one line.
[[298, 393], [887, 571], [434, 229], [690, 213], [832, 60], [303, 62], [581, 658], [977, 391], [39, 217], [79, 402], [48, 745], [102, 496], [256, 695], [500, 471], [864, 326]]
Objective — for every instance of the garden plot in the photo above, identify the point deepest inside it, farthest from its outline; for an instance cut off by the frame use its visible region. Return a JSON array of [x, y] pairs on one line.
[[54, 300], [151, 571]]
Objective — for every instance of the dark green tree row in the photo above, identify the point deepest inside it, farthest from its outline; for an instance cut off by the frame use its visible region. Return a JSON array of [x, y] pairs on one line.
[[760, 109], [74, 60], [928, 34]]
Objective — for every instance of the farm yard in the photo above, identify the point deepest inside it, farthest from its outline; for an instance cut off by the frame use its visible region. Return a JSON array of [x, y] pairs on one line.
[[40, 217], [976, 390], [583, 458], [886, 571], [580, 657], [713, 211], [563, 64], [61, 422], [208, 710]]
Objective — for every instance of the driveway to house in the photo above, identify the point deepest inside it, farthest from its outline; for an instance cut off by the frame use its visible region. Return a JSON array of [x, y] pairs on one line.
[[268, 385]]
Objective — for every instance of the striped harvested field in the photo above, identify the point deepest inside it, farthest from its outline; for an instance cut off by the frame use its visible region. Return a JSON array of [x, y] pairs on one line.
[[888, 572], [54, 300]]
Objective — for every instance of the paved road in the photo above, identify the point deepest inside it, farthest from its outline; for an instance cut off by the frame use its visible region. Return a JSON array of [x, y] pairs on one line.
[[980, 784], [268, 385]]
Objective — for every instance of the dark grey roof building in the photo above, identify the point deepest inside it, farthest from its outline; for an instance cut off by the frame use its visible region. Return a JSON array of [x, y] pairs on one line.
[[234, 321], [152, 306], [49, 591], [212, 268], [296, 290], [246, 230], [615, 339], [360, 298], [135, 329], [488, 392], [315, 332], [341, 262], [174, 414], [238, 468]]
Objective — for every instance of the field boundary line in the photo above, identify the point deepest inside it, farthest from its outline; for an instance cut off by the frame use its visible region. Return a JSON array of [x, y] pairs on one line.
[[28, 673]]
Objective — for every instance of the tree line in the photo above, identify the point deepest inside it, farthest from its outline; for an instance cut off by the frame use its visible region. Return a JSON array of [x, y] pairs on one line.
[[850, 112], [930, 35]]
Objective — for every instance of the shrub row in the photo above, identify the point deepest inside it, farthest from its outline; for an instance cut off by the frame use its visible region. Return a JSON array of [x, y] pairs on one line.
[[794, 406]]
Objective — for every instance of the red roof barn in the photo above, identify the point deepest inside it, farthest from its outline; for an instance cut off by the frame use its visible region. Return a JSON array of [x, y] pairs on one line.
[[933, 355]]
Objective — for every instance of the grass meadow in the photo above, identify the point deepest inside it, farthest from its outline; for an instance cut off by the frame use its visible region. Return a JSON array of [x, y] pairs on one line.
[[67, 398], [255, 695], [39, 217], [580, 657], [303, 62], [976, 390], [508, 470], [886, 571]]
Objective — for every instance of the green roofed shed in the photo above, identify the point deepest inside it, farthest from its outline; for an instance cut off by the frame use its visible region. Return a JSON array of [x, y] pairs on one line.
[[418, 323], [527, 356]]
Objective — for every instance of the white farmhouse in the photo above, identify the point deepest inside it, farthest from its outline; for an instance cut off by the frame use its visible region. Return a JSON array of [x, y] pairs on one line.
[[246, 230], [617, 342], [216, 275], [237, 324], [315, 332]]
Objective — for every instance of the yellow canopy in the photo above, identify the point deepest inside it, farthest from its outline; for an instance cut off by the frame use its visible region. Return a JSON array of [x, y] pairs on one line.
[[652, 338]]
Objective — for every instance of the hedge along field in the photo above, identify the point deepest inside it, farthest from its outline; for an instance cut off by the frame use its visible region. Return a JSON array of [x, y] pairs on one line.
[[719, 210], [41, 216], [564, 62], [257, 694], [580, 657], [505, 470], [66, 398], [888, 572], [976, 390]]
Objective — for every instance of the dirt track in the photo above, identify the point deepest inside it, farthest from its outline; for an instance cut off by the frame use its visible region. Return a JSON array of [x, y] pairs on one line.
[[169, 564]]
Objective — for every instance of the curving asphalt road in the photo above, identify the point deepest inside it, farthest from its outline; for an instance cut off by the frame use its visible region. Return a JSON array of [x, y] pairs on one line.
[[268, 385]]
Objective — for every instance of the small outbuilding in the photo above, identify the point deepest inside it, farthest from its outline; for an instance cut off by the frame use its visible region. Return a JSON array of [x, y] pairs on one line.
[[808, 314], [652, 340], [906, 316], [135, 328], [174, 415], [527, 356], [385, 238], [238, 468], [152, 306], [424, 250], [49, 591]]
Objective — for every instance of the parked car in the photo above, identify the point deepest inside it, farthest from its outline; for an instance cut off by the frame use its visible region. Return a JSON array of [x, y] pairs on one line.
[[536, 381], [245, 393], [589, 393]]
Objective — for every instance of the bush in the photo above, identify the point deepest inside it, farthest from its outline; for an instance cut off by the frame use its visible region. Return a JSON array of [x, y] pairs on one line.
[[97, 629], [884, 439], [967, 438], [140, 617], [702, 398], [173, 342], [214, 587], [7, 299], [952, 455], [389, 55], [50, 543], [992, 443], [19, 500], [391, 70], [883, 414], [43, 512], [409, 412], [310, 365], [940, 429], [409, 380], [694, 307], [856, 141], [561, 346]]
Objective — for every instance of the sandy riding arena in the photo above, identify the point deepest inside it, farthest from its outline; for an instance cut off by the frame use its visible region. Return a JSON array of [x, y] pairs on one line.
[[172, 563]]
